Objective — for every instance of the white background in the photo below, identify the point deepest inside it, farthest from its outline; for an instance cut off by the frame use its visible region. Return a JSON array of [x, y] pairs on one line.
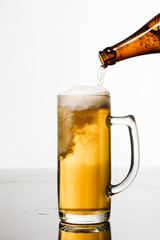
[[47, 46]]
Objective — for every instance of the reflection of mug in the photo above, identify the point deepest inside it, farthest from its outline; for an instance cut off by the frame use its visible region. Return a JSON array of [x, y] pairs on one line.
[[82, 232], [84, 163]]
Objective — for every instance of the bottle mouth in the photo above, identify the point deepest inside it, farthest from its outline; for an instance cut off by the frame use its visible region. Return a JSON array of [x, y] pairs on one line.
[[107, 57], [103, 59]]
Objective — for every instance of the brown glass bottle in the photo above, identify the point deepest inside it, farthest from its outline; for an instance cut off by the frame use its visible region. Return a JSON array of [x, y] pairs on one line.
[[145, 41]]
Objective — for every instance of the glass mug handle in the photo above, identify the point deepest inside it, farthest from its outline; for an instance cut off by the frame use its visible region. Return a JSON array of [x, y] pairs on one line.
[[130, 122]]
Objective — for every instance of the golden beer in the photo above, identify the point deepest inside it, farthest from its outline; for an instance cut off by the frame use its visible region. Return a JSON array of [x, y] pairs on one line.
[[82, 236], [88, 233], [83, 155]]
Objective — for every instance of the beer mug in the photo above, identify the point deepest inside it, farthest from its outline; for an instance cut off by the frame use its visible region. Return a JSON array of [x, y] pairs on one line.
[[82, 232], [84, 155]]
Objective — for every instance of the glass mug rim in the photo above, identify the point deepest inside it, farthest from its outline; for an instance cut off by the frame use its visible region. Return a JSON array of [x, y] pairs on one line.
[[85, 95]]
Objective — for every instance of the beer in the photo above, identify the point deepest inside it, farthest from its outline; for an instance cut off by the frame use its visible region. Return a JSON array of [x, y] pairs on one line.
[[145, 41], [101, 76], [83, 151], [95, 232], [84, 235]]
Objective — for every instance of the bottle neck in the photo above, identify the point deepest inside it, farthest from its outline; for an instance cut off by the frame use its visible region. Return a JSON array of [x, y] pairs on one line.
[[107, 57]]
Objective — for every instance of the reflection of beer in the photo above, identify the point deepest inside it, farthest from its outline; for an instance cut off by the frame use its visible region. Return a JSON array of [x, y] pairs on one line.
[[83, 154], [81, 233]]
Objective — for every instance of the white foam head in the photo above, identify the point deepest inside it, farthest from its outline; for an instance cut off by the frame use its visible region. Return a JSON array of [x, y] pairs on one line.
[[85, 90], [84, 97]]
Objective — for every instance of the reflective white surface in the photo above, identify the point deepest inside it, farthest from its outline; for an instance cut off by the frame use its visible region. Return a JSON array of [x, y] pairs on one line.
[[28, 206]]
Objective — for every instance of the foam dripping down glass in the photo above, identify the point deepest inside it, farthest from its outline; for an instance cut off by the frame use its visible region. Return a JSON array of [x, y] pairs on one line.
[[84, 155]]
